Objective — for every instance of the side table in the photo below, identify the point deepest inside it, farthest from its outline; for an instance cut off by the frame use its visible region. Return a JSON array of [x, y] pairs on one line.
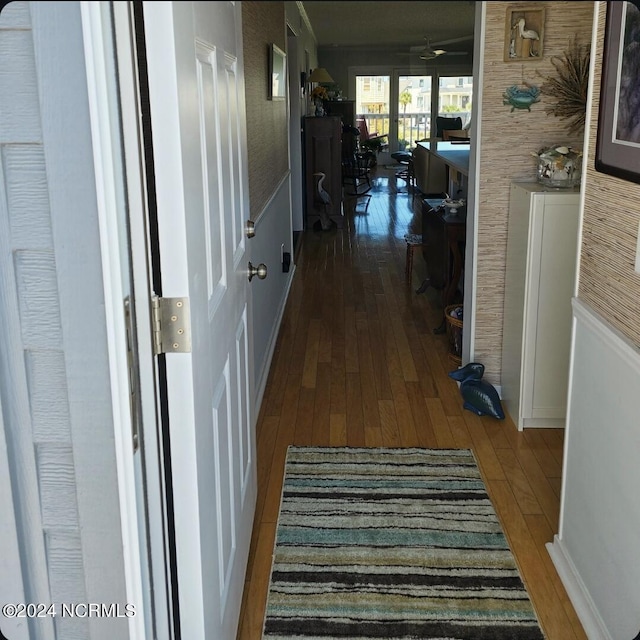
[[443, 243]]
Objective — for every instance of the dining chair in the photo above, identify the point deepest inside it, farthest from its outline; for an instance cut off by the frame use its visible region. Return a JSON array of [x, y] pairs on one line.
[[443, 123]]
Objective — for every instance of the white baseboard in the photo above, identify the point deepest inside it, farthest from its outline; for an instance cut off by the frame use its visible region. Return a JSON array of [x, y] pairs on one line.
[[580, 599]]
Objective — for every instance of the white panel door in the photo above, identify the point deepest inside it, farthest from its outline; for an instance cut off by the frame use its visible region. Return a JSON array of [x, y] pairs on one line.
[[196, 85]]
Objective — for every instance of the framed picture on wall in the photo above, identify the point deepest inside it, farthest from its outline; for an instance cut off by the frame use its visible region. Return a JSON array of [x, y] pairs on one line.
[[618, 138], [524, 33], [277, 73]]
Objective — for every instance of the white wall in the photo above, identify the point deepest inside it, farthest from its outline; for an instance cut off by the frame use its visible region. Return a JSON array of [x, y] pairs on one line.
[[269, 296], [597, 550]]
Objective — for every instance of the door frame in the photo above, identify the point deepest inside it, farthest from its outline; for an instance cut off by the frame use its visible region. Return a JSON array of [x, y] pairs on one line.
[[473, 193], [116, 133]]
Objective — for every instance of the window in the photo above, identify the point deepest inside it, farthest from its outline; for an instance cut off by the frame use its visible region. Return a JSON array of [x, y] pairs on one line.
[[414, 108], [372, 100], [454, 97]]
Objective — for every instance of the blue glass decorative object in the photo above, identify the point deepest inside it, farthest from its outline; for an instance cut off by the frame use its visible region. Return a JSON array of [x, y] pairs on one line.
[[473, 370], [481, 398]]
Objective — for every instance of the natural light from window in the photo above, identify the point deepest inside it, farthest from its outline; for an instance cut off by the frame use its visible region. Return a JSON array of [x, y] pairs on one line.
[[406, 116], [414, 109], [372, 102], [454, 97]]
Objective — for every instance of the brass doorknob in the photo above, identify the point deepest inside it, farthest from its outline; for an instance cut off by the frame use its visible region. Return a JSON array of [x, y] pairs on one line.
[[250, 228], [260, 271]]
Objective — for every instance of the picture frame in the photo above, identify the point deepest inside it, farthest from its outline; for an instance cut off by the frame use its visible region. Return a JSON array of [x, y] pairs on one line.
[[277, 73], [617, 139], [524, 33]]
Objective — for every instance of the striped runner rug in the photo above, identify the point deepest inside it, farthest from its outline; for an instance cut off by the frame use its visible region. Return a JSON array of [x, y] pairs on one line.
[[392, 544]]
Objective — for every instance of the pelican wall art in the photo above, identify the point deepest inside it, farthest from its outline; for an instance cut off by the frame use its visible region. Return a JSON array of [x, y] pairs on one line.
[[524, 33]]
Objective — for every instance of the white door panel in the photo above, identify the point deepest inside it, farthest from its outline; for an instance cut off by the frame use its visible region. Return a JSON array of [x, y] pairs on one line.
[[198, 120], [213, 212]]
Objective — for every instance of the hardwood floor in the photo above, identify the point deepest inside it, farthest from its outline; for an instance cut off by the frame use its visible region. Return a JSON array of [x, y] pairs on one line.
[[357, 364]]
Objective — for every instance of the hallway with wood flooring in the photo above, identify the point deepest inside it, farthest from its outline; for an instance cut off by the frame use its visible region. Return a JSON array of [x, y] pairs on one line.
[[357, 364]]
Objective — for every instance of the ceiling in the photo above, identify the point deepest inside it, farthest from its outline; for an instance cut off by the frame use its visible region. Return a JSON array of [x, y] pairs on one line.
[[393, 23]]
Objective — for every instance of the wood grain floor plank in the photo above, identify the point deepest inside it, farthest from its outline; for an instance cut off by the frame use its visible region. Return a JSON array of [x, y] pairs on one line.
[[326, 333], [482, 446], [460, 432], [377, 338], [303, 429], [255, 596], [495, 430], [545, 493], [548, 462], [277, 381], [555, 441], [528, 553], [404, 416], [338, 430], [400, 336], [373, 437], [283, 437], [440, 424], [265, 447], [421, 418], [338, 375], [448, 391], [350, 341], [322, 405], [423, 369], [355, 417], [368, 388], [388, 423], [520, 485]]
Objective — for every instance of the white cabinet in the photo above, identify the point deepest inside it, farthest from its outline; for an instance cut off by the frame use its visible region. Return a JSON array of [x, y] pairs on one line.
[[539, 285]]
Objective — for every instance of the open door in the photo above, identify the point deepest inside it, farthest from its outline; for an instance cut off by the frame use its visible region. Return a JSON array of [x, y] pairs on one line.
[[198, 134]]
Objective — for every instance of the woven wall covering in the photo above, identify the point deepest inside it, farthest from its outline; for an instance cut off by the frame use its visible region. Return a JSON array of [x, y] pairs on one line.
[[507, 140], [607, 280]]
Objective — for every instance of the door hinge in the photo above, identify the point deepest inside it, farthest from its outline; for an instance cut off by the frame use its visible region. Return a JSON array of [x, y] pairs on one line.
[[171, 325]]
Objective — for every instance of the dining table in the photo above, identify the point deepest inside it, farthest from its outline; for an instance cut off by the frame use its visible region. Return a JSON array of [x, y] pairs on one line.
[[455, 154]]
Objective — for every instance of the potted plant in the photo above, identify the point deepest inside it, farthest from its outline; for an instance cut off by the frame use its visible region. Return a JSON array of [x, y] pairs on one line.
[[372, 144], [318, 96]]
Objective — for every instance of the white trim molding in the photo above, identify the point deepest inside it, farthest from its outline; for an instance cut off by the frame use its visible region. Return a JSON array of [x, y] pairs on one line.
[[597, 547], [580, 599], [97, 27]]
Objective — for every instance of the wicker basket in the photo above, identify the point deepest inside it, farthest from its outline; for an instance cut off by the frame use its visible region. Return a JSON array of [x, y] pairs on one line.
[[454, 333]]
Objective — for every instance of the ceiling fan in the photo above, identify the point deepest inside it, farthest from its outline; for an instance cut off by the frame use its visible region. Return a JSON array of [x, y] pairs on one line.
[[430, 50]]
